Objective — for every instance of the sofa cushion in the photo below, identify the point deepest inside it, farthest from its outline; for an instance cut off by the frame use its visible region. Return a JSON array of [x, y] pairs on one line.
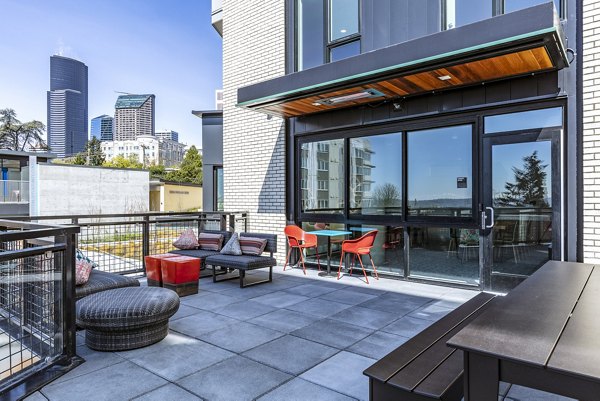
[[194, 253], [232, 247], [240, 262], [187, 240], [210, 242], [102, 281], [252, 245]]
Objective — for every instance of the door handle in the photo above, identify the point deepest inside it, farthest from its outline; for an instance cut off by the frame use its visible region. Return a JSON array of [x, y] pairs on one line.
[[491, 209]]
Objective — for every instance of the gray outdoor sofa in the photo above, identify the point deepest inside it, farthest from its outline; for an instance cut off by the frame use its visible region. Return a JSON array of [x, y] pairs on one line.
[[241, 263], [102, 281]]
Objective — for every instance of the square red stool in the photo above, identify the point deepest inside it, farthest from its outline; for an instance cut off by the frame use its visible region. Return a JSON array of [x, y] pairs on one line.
[[153, 263], [181, 274]]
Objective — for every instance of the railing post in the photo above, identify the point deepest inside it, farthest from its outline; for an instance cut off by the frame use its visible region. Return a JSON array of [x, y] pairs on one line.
[[145, 241], [223, 222], [201, 222], [245, 222], [75, 222], [232, 223]]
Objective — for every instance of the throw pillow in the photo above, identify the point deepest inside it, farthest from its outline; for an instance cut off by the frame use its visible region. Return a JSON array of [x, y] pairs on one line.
[[187, 240], [81, 256], [82, 272], [252, 246], [232, 247], [210, 242]]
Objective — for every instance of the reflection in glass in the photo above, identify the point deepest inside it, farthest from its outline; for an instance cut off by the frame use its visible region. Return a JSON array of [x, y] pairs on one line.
[[322, 176], [439, 176], [387, 251], [522, 200], [514, 5], [219, 189], [344, 51], [441, 253], [376, 175], [344, 18], [542, 118], [309, 33], [336, 244], [463, 12]]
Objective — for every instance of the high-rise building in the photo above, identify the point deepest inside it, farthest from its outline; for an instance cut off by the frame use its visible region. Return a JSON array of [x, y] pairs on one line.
[[67, 102], [134, 116], [102, 128], [168, 134]]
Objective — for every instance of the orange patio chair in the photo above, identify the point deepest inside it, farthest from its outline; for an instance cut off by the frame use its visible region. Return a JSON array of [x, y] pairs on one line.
[[301, 240], [359, 247]]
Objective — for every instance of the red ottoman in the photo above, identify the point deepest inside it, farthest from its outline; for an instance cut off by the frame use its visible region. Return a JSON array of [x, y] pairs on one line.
[[153, 263], [181, 274]]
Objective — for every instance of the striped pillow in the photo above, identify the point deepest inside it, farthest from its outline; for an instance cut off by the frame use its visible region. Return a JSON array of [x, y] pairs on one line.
[[252, 246], [210, 242]]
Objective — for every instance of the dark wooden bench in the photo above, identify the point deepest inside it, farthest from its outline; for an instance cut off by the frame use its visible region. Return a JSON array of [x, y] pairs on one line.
[[425, 368]]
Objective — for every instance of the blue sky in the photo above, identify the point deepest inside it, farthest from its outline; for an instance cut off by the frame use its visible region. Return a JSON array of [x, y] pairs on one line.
[[168, 48]]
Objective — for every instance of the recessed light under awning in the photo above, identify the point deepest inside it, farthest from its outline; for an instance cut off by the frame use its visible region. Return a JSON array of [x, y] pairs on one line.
[[525, 42]]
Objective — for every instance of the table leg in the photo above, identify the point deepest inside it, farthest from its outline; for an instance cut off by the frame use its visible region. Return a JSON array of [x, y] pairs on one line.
[[328, 272], [482, 377]]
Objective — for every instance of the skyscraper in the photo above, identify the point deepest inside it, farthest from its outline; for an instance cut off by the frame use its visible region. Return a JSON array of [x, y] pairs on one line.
[[134, 116], [67, 102], [102, 128], [168, 134]]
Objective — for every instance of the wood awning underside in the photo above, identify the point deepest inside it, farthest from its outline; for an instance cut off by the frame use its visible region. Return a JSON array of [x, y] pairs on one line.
[[490, 69], [517, 44]]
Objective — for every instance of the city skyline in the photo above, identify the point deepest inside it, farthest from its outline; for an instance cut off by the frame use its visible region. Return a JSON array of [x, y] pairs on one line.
[[122, 55]]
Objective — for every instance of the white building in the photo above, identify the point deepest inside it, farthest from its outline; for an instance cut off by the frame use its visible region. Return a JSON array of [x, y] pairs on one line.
[[167, 134], [148, 149]]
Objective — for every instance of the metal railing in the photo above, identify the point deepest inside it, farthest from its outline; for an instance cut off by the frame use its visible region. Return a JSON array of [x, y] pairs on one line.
[[118, 243], [37, 307], [12, 191]]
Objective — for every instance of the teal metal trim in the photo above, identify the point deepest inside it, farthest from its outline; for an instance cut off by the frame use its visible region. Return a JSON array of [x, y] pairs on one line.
[[402, 65]]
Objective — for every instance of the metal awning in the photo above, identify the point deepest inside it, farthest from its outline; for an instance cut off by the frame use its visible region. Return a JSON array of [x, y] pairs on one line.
[[524, 42]]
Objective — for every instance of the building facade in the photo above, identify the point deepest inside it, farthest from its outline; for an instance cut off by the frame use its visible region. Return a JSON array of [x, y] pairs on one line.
[[452, 127], [168, 134], [102, 128], [148, 150], [134, 116], [67, 105]]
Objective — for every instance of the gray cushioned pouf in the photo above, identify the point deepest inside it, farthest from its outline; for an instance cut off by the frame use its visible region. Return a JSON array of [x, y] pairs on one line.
[[126, 318]]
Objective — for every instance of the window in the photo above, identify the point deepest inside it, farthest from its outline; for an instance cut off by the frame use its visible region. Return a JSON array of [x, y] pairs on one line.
[[463, 12], [439, 172], [326, 30], [543, 118], [322, 180], [514, 5], [376, 175]]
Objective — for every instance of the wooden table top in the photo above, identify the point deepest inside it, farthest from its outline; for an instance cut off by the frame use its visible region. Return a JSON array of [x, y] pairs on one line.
[[551, 320]]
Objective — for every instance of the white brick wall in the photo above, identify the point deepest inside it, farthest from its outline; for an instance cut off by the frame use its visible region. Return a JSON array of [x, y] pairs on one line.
[[253, 146], [591, 131]]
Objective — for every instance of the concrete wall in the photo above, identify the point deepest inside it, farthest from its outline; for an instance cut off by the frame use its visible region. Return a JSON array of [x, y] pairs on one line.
[[66, 189], [254, 145], [180, 198], [591, 131]]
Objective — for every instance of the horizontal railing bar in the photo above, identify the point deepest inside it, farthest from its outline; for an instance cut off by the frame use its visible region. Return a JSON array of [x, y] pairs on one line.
[[30, 234], [96, 216], [28, 252]]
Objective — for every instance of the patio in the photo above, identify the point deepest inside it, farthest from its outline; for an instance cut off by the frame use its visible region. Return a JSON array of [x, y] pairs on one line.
[[298, 338]]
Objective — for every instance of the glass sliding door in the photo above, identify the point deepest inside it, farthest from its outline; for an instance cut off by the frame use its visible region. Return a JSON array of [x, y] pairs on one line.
[[521, 183]]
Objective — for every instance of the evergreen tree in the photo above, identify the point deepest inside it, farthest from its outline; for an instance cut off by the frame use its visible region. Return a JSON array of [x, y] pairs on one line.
[[157, 171], [93, 152], [190, 169], [529, 188]]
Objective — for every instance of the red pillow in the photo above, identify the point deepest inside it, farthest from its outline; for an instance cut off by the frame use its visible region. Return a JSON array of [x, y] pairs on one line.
[[82, 271]]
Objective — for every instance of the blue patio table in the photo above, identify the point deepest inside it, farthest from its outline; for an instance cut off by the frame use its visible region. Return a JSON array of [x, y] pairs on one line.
[[329, 234], [362, 229]]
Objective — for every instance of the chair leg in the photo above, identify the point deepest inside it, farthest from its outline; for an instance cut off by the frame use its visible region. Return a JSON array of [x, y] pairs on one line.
[[363, 268], [287, 259], [352, 263], [374, 269], [340, 268], [302, 260]]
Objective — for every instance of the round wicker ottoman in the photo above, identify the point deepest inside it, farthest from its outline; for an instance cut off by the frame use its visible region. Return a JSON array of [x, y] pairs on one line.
[[126, 318]]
